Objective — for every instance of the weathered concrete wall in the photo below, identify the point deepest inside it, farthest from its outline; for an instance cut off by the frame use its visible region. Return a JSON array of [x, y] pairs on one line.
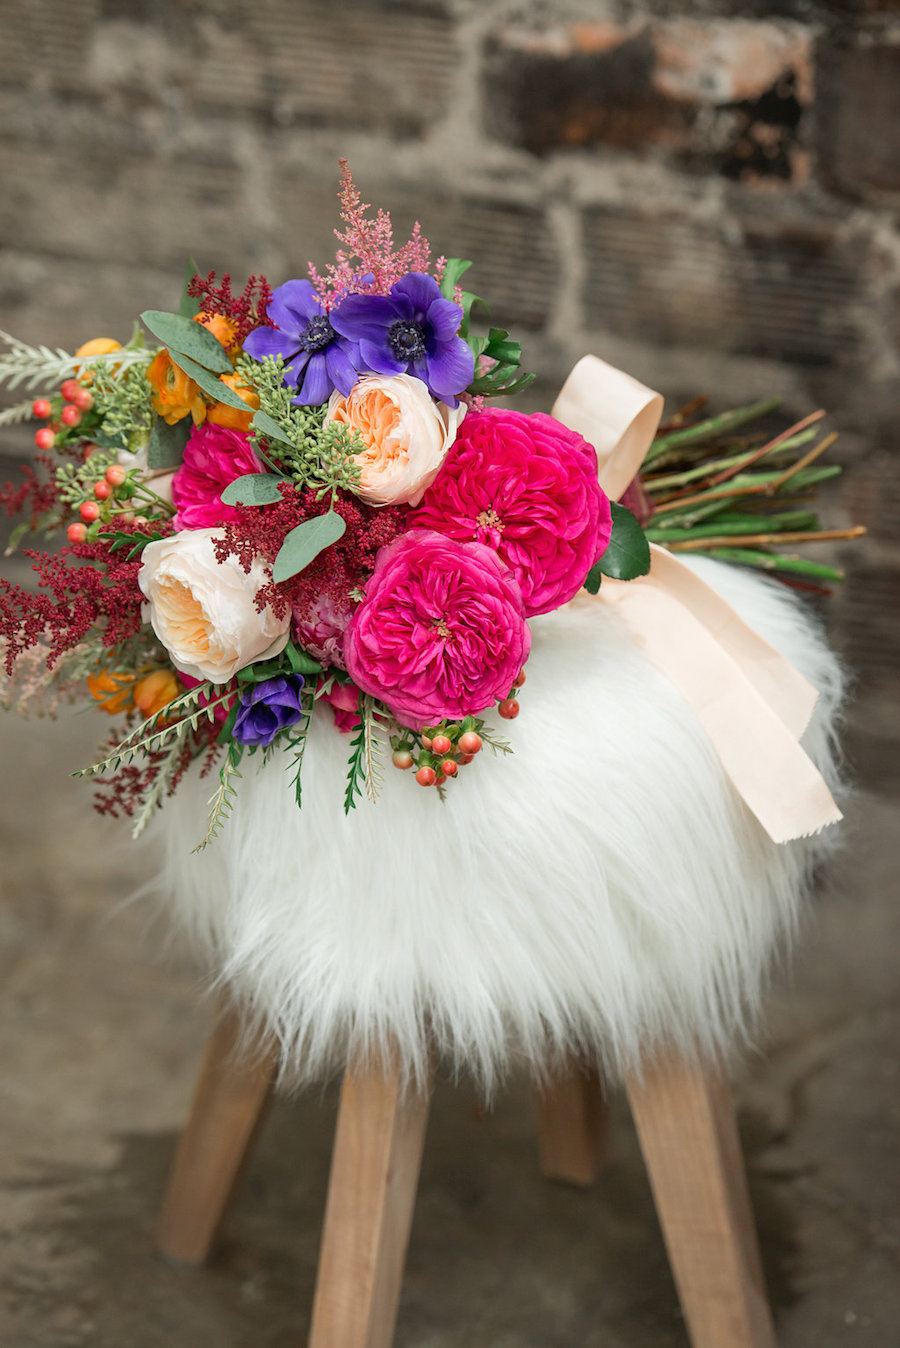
[[703, 192]]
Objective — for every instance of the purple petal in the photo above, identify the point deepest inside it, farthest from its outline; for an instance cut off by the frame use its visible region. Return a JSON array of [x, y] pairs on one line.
[[444, 318], [377, 358], [360, 316], [270, 342], [316, 385], [294, 372], [452, 369], [419, 290], [293, 305], [340, 370]]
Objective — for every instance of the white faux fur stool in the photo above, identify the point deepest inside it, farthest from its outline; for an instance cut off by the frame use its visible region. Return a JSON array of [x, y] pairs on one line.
[[603, 897]]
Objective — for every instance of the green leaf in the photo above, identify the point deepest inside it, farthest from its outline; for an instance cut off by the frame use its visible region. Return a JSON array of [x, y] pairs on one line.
[[592, 579], [628, 553], [166, 448], [188, 306], [301, 661], [455, 268], [224, 735], [306, 542], [268, 427], [253, 489], [212, 386], [184, 337]]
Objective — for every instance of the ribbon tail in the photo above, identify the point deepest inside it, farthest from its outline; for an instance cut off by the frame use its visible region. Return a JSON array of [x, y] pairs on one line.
[[757, 746]]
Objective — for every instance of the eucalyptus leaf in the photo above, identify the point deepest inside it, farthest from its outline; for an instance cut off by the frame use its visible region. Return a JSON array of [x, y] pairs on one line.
[[253, 489], [212, 386], [305, 543], [166, 447], [628, 553], [189, 306], [268, 427], [184, 337]]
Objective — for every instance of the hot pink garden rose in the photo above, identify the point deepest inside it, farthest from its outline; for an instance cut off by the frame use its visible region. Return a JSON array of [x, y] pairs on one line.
[[526, 486], [441, 631], [213, 457]]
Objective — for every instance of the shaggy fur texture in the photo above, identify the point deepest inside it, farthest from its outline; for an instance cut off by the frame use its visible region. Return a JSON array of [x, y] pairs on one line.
[[602, 890]]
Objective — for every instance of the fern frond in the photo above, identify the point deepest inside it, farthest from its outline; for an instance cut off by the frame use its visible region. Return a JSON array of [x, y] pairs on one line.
[[373, 745], [221, 802], [18, 412], [158, 729]]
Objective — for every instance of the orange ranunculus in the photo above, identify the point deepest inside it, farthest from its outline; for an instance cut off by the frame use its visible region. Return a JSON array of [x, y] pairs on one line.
[[223, 329], [223, 414], [174, 394], [113, 690], [97, 346], [155, 691]]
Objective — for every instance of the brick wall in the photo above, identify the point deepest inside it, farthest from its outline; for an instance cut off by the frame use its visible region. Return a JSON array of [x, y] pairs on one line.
[[704, 192]]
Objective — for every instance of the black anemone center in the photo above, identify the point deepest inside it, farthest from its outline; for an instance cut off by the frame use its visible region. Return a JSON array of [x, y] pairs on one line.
[[406, 340], [319, 334]]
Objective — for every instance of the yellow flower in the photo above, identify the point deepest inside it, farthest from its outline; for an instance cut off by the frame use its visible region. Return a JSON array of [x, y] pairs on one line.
[[223, 414], [155, 691], [174, 394], [113, 691]]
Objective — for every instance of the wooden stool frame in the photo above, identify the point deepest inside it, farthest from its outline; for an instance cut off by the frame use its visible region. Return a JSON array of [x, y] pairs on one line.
[[688, 1135]]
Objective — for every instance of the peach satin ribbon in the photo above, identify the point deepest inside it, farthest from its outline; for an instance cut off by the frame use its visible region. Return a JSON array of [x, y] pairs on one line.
[[751, 701]]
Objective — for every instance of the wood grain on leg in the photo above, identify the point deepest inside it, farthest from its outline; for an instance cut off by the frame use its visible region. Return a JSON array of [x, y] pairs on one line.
[[688, 1134], [229, 1102], [573, 1131], [371, 1196]]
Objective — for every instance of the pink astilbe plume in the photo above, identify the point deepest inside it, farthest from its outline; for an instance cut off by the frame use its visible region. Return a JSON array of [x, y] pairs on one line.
[[367, 263]]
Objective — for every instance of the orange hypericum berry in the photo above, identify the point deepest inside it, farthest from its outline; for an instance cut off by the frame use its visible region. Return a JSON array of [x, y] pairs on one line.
[[441, 744], [426, 776], [41, 408], [509, 709], [44, 438], [469, 743], [89, 511], [115, 475], [449, 767], [76, 533], [69, 388], [70, 415], [402, 758]]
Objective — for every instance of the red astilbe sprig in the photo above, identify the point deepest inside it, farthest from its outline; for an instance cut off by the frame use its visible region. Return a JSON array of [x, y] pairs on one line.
[[246, 311], [125, 790], [367, 263], [35, 496], [100, 598], [347, 564]]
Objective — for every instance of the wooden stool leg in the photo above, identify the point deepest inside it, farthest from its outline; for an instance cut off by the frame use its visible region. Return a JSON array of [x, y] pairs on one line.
[[686, 1125], [573, 1128], [371, 1195], [229, 1103]]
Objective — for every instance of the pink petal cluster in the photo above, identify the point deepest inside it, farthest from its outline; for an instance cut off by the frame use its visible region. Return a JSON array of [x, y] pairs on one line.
[[319, 621], [213, 457], [441, 631], [526, 486]]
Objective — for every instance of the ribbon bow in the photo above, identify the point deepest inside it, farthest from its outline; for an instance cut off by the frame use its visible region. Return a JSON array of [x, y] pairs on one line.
[[752, 703]]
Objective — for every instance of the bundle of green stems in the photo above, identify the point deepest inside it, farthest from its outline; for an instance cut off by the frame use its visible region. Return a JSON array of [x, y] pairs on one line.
[[715, 489]]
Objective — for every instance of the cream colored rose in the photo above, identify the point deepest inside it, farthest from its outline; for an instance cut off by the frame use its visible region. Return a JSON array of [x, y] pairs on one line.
[[203, 610], [406, 431]]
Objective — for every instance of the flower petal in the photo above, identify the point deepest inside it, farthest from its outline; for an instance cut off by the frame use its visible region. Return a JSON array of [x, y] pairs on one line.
[[293, 305], [364, 316], [316, 385], [451, 369], [341, 370], [419, 289], [270, 342]]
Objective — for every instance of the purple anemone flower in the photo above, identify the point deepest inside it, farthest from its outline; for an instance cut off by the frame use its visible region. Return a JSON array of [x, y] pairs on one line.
[[413, 330], [317, 358], [268, 707]]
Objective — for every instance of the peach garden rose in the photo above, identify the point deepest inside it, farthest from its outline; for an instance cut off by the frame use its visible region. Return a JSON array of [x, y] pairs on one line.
[[407, 435], [204, 611]]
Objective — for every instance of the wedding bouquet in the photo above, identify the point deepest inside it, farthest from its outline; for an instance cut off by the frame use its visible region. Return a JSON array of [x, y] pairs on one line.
[[302, 499]]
